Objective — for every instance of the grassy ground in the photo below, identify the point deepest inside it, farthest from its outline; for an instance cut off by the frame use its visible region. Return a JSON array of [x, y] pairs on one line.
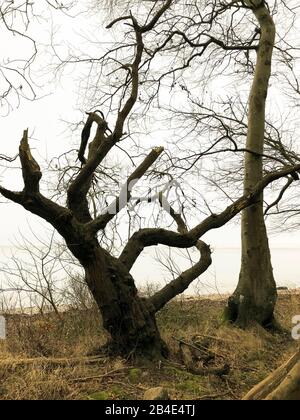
[[47, 358]]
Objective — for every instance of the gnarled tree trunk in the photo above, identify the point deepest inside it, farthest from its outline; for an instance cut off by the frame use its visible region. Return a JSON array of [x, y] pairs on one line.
[[256, 295], [126, 316], [129, 319]]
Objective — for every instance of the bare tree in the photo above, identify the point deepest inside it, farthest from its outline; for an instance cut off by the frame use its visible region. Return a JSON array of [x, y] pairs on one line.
[[39, 272], [255, 296], [128, 318], [16, 19]]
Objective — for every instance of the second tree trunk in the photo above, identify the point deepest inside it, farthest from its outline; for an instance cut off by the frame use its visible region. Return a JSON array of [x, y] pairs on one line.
[[255, 296]]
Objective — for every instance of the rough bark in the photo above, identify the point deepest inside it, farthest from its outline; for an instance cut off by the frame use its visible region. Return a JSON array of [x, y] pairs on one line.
[[255, 296], [283, 384], [127, 317]]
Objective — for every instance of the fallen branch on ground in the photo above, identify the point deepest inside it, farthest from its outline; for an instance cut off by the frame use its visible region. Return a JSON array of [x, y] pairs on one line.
[[51, 361], [105, 375], [283, 384]]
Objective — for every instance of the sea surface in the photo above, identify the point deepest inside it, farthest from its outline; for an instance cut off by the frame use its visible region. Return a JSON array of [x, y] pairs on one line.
[[221, 277]]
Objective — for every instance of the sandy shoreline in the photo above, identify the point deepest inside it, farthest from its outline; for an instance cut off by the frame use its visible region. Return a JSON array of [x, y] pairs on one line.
[[225, 296]]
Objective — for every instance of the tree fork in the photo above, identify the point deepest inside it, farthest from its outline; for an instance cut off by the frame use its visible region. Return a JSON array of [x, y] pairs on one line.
[[129, 319]]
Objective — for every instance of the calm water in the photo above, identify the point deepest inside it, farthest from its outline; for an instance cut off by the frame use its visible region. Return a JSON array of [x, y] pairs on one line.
[[221, 277], [285, 264]]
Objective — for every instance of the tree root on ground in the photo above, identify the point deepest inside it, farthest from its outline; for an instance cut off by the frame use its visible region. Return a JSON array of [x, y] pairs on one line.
[[283, 384]]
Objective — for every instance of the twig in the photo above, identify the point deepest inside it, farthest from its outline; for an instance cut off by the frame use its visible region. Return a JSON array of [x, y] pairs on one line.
[[111, 373], [48, 361], [198, 347], [212, 397], [225, 340]]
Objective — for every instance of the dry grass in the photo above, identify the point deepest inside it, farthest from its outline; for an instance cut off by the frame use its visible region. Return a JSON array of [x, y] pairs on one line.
[[46, 358], [74, 334]]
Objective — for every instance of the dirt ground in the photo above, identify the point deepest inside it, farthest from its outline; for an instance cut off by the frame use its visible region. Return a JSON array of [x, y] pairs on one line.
[[52, 358]]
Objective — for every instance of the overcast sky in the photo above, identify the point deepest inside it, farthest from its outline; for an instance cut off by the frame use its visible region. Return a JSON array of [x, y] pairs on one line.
[[50, 136]]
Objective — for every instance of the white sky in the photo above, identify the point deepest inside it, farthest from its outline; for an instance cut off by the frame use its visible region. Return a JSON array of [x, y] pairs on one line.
[[43, 118]]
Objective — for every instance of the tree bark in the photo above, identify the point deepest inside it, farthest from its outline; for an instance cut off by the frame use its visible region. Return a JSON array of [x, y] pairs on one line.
[[256, 295], [283, 384], [128, 318]]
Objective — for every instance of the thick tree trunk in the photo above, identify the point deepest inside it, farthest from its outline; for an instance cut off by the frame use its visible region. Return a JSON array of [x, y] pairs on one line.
[[283, 384], [128, 318], [255, 296]]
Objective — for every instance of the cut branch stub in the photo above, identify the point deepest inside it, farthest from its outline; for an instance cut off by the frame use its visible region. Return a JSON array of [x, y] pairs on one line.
[[86, 132], [30, 168]]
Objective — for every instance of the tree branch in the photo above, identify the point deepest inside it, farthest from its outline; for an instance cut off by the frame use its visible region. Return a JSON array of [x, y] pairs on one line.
[[86, 132], [98, 149], [150, 237], [31, 199], [182, 282], [14, 196], [129, 104], [281, 194], [30, 168], [8, 159], [156, 17], [125, 194]]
